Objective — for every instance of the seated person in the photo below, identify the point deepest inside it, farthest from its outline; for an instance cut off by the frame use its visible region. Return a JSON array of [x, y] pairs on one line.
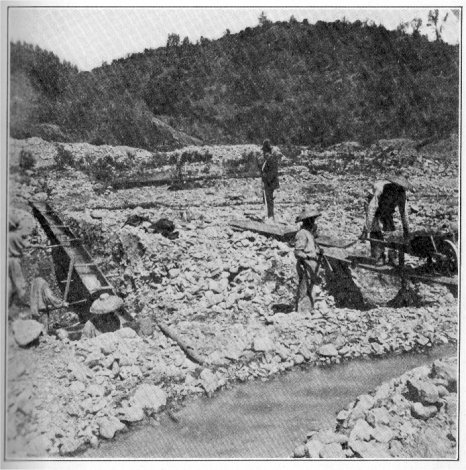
[[104, 317]]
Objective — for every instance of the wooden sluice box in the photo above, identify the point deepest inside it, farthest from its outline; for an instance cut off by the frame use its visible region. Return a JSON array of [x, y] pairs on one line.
[[74, 266]]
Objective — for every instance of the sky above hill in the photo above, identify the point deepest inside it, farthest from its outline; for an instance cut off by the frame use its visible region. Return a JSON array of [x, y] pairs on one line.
[[87, 37]]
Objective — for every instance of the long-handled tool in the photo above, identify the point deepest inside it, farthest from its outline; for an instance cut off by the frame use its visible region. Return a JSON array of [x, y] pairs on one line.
[[186, 348]]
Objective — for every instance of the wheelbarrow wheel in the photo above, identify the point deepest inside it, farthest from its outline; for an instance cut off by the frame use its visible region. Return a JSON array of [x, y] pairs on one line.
[[450, 250]]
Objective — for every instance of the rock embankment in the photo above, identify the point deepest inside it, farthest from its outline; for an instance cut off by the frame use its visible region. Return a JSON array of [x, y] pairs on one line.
[[412, 416]]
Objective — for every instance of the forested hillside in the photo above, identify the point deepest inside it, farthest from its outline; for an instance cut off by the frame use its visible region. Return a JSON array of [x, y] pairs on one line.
[[291, 81]]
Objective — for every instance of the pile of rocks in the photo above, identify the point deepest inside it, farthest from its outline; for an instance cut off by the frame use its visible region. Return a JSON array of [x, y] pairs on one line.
[[225, 293], [78, 392], [412, 416]]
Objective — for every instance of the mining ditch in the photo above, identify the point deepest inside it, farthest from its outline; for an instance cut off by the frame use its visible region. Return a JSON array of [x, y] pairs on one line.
[[262, 419]]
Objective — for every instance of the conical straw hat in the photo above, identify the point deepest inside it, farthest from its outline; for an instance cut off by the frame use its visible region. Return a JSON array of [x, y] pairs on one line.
[[308, 213], [106, 303]]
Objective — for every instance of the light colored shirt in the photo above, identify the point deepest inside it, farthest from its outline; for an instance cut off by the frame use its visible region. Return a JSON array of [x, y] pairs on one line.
[[305, 245]]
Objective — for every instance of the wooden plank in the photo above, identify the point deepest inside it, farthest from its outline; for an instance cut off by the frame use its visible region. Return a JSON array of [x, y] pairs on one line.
[[287, 232], [185, 347]]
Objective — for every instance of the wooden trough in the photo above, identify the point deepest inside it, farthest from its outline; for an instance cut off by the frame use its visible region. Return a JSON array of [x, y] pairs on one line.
[[77, 274]]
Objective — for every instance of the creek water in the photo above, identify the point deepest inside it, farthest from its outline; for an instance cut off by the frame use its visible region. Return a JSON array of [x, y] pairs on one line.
[[262, 419]]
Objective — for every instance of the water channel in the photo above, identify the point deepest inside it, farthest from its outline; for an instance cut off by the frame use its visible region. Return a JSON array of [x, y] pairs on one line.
[[262, 419]]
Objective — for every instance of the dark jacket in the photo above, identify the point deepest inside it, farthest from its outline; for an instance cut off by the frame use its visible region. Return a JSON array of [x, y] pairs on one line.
[[269, 171]]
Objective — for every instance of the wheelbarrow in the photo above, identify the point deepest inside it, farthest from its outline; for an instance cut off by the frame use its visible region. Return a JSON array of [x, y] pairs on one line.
[[439, 248]]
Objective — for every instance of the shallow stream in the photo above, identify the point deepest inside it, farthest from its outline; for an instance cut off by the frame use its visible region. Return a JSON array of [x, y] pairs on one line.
[[262, 419]]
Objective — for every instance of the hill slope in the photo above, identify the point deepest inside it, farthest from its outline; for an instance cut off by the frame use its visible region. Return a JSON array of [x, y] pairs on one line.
[[295, 82]]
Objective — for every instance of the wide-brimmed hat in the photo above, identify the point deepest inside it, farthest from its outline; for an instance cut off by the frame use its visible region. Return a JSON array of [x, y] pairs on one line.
[[400, 181], [106, 303], [308, 213], [266, 147]]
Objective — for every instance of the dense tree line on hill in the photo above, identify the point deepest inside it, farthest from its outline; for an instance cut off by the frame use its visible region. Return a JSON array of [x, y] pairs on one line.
[[292, 81]]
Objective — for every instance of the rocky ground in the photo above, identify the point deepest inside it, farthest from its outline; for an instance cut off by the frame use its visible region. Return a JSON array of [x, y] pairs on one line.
[[228, 294], [412, 416]]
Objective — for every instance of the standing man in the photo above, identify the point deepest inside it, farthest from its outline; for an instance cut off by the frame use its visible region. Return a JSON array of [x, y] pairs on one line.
[[269, 175], [308, 255], [388, 194]]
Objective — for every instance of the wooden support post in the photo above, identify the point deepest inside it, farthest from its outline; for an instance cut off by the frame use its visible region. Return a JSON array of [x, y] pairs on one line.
[[401, 265], [265, 202], [68, 279]]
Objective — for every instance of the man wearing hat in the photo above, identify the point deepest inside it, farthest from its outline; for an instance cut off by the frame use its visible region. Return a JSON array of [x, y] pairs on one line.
[[104, 317], [269, 175], [388, 194], [308, 255]]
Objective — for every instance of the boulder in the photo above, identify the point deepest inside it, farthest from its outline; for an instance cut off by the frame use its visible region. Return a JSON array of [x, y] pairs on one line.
[[378, 416], [382, 433], [125, 333], [300, 452], [328, 350], [421, 391], [343, 415], [146, 326], [109, 426], [98, 214], [149, 397], [69, 446], [447, 372], [77, 387], [263, 342], [450, 405], [382, 392], [131, 414], [361, 431], [419, 411], [208, 381], [332, 451], [26, 331], [108, 343], [313, 448], [369, 450], [40, 197], [442, 391], [363, 405]]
